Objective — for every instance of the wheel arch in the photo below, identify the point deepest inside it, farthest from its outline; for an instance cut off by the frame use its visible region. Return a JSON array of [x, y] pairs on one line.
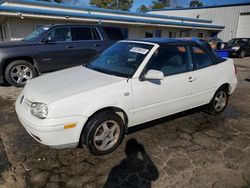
[[227, 86], [114, 109], [29, 59]]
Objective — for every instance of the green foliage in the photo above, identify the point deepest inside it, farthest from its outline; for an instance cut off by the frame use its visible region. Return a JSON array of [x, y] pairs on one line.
[[159, 4], [113, 4], [143, 8], [57, 1], [195, 3]]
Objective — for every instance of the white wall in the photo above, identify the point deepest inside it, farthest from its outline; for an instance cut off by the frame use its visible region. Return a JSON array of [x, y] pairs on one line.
[[226, 16], [243, 26]]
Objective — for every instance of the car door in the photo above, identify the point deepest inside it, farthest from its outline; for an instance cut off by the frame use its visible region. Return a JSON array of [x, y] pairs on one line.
[[55, 50], [205, 77], [153, 99], [87, 43]]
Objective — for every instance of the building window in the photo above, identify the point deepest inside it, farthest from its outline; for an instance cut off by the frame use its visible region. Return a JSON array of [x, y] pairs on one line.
[[170, 34], [157, 33], [200, 35], [149, 34]]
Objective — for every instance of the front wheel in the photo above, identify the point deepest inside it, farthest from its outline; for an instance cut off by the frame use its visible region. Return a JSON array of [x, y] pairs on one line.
[[19, 72], [219, 102], [103, 133]]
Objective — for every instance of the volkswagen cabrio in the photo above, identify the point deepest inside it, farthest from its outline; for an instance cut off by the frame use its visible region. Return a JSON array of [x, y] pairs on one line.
[[130, 83]]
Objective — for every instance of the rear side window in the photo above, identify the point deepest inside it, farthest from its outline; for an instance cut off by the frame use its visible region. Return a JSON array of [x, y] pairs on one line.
[[81, 33], [200, 58], [113, 33], [170, 60]]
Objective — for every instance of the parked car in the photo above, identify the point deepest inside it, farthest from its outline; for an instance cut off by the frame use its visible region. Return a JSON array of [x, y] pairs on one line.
[[130, 83], [52, 48], [239, 47], [215, 43]]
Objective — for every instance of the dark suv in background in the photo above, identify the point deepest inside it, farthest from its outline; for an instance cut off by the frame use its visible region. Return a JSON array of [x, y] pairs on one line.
[[52, 48]]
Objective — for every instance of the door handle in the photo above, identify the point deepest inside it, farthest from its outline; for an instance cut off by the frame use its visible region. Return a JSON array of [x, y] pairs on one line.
[[96, 45], [191, 79], [69, 47]]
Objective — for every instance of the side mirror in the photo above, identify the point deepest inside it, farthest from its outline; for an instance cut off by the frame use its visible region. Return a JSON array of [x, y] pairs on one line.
[[154, 75]]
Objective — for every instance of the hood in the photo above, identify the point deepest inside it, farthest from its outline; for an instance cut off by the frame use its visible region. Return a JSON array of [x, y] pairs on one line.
[[54, 86], [233, 45], [15, 44]]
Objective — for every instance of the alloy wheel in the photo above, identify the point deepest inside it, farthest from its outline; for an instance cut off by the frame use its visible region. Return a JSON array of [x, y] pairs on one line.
[[106, 135], [21, 74], [220, 101]]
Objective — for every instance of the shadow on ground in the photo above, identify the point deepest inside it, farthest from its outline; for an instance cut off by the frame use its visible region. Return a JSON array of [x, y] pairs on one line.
[[137, 170]]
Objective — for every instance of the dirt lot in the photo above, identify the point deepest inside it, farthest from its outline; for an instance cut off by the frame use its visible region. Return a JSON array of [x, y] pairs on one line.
[[198, 150]]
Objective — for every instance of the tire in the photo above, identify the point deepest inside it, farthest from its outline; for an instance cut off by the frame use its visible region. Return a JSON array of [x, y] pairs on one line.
[[219, 101], [242, 54], [98, 134], [19, 72]]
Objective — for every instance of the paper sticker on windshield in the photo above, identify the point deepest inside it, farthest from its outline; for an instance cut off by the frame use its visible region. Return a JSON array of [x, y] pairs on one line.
[[139, 50]]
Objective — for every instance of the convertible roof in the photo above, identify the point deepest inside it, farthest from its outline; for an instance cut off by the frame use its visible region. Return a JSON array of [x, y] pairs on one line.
[[162, 41]]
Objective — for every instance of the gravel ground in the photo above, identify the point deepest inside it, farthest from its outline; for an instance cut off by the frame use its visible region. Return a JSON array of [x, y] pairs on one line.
[[197, 150]]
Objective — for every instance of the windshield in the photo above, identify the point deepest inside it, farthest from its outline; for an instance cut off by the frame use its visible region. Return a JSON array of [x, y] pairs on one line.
[[237, 42], [122, 59], [34, 35]]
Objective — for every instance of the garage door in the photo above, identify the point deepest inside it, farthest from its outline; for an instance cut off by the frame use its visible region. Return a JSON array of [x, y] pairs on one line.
[[244, 26]]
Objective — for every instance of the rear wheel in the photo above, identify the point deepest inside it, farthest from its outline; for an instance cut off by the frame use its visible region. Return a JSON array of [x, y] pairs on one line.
[[103, 133], [19, 72], [219, 101]]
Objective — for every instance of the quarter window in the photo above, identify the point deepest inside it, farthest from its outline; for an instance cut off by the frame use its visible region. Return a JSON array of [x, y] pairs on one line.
[[81, 33], [170, 60], [200, 58]]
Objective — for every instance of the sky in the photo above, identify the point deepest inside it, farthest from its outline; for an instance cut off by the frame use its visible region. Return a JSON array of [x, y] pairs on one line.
[[183, 3]]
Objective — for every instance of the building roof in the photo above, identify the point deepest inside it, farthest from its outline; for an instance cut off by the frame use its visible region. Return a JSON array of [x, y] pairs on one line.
[[102, 10], [38, 9], [203, 7]]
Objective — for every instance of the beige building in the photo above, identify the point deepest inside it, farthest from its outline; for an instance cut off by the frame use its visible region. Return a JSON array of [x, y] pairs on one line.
[[19, 18], [235, 18]]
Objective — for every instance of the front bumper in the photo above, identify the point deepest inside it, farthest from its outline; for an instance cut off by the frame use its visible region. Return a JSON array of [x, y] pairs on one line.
[[51, 132]]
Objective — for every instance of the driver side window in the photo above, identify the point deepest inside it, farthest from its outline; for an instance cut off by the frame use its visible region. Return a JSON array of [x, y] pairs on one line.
[[170, 60], [59, 35]]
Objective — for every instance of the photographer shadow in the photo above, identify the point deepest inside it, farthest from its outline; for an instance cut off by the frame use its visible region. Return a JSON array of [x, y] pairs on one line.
[[136, 171]]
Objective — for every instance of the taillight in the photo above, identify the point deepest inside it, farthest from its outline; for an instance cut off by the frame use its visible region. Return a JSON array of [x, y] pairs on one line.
[[235, 70]]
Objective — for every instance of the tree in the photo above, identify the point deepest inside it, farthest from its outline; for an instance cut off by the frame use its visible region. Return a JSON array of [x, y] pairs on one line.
[[113, 4], [57, 1], [195, 3], [143, 8], [159, 4]]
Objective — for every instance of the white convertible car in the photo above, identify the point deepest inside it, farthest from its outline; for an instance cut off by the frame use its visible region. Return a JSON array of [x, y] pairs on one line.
[[130, 83]]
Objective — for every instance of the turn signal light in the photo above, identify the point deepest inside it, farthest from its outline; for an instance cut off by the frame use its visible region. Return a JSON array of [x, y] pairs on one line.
[[69, 126]]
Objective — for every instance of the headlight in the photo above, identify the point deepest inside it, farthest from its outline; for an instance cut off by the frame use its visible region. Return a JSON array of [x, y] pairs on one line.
[[39, 110], [236, 48]]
